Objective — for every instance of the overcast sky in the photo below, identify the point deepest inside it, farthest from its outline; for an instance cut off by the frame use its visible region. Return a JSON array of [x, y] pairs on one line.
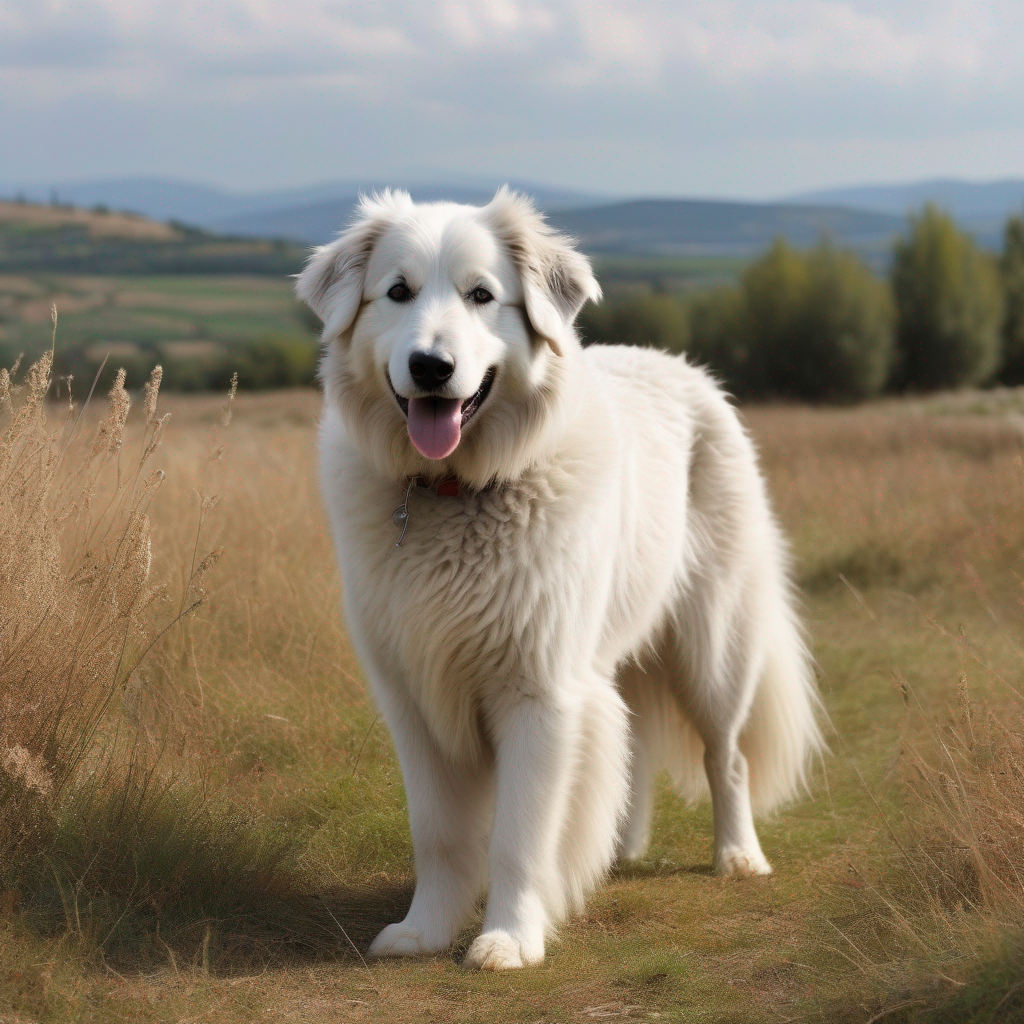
[[744, 98]]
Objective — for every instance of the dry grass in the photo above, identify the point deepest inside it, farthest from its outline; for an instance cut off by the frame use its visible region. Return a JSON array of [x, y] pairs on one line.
[[242, 871], [74, 591], [105, 812], [890, 494]]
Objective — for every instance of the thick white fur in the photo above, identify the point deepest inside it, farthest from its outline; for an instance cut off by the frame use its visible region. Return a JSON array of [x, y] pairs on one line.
[[607, 596]]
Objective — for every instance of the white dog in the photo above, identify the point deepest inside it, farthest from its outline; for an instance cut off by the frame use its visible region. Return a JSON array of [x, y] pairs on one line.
[[560, 569]]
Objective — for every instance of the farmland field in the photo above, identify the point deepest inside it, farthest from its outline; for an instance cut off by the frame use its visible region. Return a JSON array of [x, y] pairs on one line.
[[907, 541], [142, 312], [150, 312], [195, 325]]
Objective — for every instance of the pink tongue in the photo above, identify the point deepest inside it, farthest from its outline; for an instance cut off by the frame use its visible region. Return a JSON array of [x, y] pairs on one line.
[[435, 425]]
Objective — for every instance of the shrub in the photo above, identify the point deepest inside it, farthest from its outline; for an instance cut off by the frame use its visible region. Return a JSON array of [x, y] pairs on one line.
[[813, 325], [195, 371], [948, 304], [720, 339], [842, 344], [1011, 267], [658, 321], [272, 361]]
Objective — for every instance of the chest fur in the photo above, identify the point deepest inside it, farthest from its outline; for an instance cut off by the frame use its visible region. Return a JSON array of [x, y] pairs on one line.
[[471, 605]]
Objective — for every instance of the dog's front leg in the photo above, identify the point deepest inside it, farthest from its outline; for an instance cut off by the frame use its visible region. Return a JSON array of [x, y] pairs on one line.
[[536, 741], [449, 813]]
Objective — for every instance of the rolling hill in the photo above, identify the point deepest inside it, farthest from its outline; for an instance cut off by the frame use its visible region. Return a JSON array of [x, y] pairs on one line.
[[666, 227], [707, 227], [37, 237], [863, 217], [252, 213], [981, 207], [45, 237]]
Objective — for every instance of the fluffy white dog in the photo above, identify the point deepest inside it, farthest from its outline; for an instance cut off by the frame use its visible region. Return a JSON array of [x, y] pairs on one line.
[[589, 585]]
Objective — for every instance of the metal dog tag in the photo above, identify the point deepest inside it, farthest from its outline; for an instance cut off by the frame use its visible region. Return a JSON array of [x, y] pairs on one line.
[[400, 517]]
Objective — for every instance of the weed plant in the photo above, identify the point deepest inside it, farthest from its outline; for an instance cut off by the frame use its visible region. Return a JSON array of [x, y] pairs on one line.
[[105, 818]]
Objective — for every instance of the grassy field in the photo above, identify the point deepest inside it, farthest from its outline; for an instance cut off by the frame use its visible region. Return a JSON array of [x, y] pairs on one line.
[[181, 313], [125, 314], [245, 876]]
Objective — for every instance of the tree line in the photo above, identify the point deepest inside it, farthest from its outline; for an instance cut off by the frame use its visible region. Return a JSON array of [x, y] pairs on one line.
[[819, 325], [261, 363]]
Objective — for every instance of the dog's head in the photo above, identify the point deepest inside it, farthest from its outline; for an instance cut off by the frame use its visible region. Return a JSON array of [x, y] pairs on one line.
[[448, 331]]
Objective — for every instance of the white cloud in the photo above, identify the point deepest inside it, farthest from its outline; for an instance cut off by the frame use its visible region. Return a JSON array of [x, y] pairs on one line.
[[723, 37], [621, 74]]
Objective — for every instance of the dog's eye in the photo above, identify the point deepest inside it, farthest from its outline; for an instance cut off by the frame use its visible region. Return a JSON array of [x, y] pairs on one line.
[[399, 292], [481, 296]]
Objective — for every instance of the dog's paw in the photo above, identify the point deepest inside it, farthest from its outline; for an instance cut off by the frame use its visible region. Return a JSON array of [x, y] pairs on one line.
[[403, 940], [498, 951], [736, 862]]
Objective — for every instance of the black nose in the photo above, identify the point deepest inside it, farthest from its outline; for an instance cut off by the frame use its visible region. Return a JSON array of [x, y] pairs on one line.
[[430, 371]]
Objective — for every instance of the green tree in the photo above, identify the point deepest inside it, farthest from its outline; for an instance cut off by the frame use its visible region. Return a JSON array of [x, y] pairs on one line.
[[720, 338], [814, 325], [841, 342], [271, 361], [1011, 267], [774, 292], [949, 307]]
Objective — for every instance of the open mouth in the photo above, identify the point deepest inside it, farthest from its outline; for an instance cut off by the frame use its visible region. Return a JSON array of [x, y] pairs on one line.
[[475, 400], [469, 405], [434, 423]]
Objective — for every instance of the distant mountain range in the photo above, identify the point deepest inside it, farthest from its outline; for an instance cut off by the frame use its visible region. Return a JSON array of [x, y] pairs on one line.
[[865, 218], [674, 227], [282, 212], [980, 207], [320, 221], [654, 227], [48, 237]]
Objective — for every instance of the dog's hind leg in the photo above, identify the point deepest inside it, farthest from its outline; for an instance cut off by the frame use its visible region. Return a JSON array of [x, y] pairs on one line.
[[718, 677], [635, 831], [661, 737], [449, 815]]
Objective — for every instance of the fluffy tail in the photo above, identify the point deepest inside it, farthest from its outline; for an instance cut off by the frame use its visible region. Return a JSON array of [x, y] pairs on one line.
[[780, 736], [782, 732]]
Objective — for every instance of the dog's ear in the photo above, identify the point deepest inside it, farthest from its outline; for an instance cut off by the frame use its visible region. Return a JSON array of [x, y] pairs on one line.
[[332, 282], [557, 278]]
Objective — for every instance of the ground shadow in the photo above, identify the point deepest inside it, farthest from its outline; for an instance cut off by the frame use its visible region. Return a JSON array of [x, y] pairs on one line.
[[292, 929], [245, 933]]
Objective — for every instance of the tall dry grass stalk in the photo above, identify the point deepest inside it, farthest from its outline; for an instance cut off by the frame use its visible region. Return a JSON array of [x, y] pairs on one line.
[[110, 823], [937, 923], [951, 896], [79, 608], [965, 825]]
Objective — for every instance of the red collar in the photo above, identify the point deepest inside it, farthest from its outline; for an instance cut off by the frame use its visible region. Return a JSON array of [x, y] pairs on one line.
[[449, 487]]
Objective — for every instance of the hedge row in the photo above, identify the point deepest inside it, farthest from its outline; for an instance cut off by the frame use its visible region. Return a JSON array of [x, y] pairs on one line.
[[271, 361], [819, 325]]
